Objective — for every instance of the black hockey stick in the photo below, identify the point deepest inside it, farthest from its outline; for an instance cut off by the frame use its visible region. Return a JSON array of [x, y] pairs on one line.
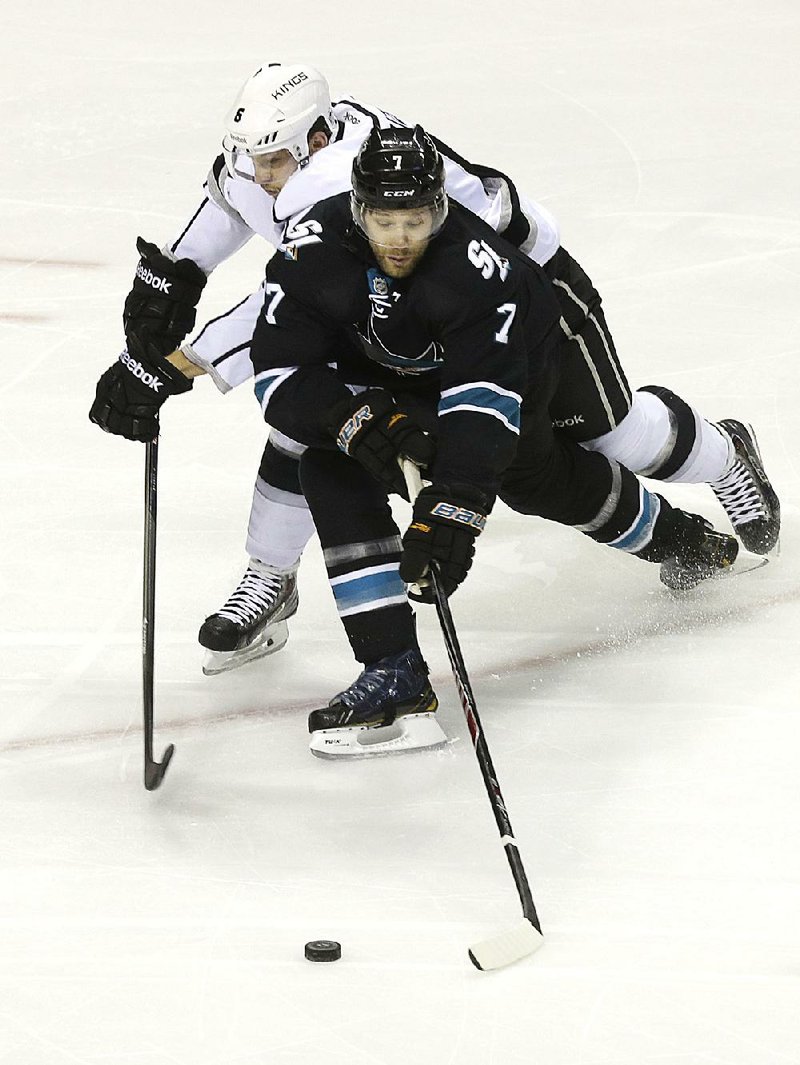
[[153, 771], [526, 937]]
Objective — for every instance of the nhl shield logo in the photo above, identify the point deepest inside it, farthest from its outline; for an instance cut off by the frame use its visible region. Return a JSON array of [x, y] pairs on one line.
[[378, 284]]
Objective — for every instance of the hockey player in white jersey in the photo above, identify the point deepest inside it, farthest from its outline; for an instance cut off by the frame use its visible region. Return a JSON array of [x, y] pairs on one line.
[[286, 147]]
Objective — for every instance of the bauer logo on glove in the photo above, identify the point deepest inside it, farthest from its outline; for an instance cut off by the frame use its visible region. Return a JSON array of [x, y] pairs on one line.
[[371, 429], [447, 520], [352, 427], [451, 512]]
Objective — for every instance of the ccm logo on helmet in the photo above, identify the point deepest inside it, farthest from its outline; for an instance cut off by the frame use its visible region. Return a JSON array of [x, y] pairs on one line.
[[290, 84], [160, 284], [398, 192], [139, 371]]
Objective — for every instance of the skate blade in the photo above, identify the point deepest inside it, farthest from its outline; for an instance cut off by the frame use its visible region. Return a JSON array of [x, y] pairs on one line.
[[272, 639], [745, 563], [410, 733]]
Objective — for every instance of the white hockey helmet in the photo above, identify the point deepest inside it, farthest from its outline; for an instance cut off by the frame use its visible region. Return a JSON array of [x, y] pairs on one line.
[[275, 110]]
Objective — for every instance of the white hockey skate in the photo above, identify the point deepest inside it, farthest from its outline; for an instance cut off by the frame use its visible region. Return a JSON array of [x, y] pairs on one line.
[[389, 709], [253, 622]]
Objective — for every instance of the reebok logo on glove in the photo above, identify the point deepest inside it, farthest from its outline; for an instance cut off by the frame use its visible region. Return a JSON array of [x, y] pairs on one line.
[[352, 426], [139, 371], [462, 515], [160, 284]]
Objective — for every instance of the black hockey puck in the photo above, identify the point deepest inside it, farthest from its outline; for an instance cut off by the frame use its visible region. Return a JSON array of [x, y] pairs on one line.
[[323, 950]]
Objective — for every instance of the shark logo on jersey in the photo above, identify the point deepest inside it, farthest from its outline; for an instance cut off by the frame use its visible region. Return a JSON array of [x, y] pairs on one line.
[[429, 359], [386, 303]]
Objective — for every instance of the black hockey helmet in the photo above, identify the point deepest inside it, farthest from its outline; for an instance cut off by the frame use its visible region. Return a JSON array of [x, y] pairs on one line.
[[398, 169]]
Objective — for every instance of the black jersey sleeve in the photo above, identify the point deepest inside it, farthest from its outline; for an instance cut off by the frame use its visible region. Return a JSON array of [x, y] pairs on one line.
[[497, 318], [299, 336], [483, 383], [479, 302]]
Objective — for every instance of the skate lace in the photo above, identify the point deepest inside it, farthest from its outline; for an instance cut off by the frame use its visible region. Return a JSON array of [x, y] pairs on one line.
[[392, 679], [256, 593], [739, 495]]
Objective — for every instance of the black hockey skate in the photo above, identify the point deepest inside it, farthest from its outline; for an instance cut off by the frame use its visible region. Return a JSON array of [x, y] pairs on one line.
[[746, 494], [252, 623], [699, 552], [389, 707]]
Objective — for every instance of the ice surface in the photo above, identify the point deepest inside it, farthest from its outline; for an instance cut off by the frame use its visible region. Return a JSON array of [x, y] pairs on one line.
[[647, 750]]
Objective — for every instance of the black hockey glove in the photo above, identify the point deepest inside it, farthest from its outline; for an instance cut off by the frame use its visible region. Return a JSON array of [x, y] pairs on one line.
[[375, 432], [130, 393], [445, 524], [160, 308]]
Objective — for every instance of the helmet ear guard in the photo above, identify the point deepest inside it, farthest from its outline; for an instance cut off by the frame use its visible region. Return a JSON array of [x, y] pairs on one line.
[[275, 110], [398, 169]]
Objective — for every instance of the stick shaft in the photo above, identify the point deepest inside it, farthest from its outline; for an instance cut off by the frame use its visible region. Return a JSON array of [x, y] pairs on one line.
[[484, 757], [149, 592], [470, 707]]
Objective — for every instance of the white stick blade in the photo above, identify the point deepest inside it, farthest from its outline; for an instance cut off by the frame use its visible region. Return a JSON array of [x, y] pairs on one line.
[[507, 947]]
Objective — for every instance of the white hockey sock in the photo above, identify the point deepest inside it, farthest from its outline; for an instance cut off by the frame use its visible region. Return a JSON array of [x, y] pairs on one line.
[[280, 526], [711, 457], [645, 438]]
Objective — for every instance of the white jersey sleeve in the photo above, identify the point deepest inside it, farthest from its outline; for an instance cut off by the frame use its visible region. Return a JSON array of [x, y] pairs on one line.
[[222, 347], [492, 197], [215, 231]]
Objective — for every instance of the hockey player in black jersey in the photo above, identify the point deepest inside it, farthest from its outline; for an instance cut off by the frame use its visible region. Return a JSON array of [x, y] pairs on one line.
[[278, 160], [402, 325]]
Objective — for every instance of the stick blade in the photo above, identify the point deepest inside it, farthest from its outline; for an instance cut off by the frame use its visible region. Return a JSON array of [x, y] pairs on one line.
[[507, 947], [154, 771]]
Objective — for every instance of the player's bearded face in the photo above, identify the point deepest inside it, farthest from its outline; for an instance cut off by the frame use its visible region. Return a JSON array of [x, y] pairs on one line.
[[398, 238], [273, 170]]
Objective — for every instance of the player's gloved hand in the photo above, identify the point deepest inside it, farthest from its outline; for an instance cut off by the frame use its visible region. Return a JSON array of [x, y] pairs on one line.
[[372, 429], [130, 393], [446, 521], [160, 308]]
